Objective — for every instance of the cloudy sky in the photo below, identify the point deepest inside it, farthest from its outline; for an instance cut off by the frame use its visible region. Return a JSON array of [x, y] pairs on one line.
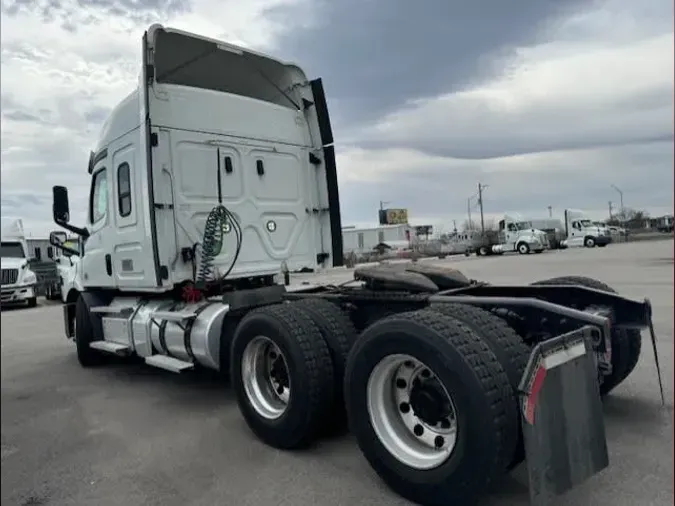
[[548, 102]]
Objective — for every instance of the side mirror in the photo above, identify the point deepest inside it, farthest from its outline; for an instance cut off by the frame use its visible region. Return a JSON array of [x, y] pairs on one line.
[[38, 254], [60, 206], [57, 238]]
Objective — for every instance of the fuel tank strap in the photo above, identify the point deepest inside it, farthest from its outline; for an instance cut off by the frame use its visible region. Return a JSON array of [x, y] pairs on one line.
[[162, 332], [187, 332]]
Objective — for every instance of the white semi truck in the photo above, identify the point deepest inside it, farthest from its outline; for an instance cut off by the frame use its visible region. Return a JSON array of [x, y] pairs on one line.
[[18, 280], [216, 175], [581, 231], [513, 235], [576, 229]]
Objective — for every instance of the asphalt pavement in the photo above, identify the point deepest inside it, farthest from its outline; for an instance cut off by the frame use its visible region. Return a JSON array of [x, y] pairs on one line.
[[128, 435]]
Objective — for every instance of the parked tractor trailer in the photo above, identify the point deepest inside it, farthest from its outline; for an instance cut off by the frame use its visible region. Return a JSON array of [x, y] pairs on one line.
[[215, 178]]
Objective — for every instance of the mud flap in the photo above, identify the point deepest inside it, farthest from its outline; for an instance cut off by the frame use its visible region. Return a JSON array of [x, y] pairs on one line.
[[562, 419]]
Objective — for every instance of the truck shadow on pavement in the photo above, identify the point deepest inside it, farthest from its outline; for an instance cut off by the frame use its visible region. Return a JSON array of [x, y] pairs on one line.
[[208, 390]]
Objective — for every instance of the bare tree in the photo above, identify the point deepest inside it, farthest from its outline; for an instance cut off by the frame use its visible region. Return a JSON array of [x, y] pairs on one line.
[[629, 218], [490, 225]]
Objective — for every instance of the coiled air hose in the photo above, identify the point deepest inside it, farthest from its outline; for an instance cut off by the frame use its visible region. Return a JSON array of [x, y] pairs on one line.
[[217, 223]]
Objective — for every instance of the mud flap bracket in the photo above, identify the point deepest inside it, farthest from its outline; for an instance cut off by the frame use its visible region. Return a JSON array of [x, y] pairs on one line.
[[562, 419]]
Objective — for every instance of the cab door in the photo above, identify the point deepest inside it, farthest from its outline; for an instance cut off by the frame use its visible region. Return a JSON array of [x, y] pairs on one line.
[[97, 260], [576, 237]]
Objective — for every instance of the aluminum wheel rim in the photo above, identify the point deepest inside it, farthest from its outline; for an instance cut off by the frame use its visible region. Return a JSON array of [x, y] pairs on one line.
[[411, 440], [261, 364]]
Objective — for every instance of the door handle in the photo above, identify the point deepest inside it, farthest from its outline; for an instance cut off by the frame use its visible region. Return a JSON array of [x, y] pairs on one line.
[[108, 264]]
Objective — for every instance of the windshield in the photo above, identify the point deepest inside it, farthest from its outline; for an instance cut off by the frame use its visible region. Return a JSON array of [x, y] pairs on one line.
[[523, 225], [12, 250]]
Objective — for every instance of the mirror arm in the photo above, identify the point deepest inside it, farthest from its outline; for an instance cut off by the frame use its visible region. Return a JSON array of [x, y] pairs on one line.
[[76, 230]]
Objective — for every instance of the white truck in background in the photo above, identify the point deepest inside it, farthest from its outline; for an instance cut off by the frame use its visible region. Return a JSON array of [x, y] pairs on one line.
[[513, 235], [18, 281], [582, 232]]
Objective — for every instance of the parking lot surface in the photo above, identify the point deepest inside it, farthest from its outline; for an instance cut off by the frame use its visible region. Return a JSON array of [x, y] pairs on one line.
[[130, 435]]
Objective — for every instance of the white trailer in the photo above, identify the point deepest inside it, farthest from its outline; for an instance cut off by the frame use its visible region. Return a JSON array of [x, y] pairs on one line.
[[364, 240], [218, 172], [18, 280]]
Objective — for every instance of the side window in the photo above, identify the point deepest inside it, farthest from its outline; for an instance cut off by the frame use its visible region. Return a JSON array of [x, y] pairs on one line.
[[576, 224], [98, 203], [360, 240], [124, 189], [512, 228]]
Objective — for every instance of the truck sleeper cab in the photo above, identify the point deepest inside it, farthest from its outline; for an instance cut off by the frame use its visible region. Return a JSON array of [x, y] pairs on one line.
[[230, 180]]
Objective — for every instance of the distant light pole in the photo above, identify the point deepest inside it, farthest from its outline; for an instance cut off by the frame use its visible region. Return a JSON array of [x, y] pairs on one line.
[[620, 200], [481, 187], [550, 211]]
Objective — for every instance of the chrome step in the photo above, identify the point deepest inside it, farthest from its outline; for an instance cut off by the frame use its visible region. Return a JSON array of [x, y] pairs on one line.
[[174, 316], [110, 347], [168, 363], [110, 309]]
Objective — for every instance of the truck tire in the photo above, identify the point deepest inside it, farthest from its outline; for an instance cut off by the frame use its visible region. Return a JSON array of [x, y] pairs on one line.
[[339, 334], [589, 242], [282, 376], [626, 343], [509, 349], [436, 355], [523, 248], [32, 302], [84, 335]]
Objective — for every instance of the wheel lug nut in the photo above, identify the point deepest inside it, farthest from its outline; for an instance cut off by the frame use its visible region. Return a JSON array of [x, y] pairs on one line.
[[408, 363], [401, 383], [439, 441], [426, 373], [418, 430], [404, 407]]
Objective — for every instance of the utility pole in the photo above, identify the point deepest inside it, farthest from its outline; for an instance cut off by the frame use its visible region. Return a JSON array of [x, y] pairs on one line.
[[550, 211], [468, 210], [610, 209], [622, 210], [481, 188]]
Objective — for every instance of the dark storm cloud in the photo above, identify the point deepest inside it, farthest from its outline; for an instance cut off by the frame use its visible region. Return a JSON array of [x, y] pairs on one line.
[[20, 116], [376, 54], [572, 181], [476, 130]]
